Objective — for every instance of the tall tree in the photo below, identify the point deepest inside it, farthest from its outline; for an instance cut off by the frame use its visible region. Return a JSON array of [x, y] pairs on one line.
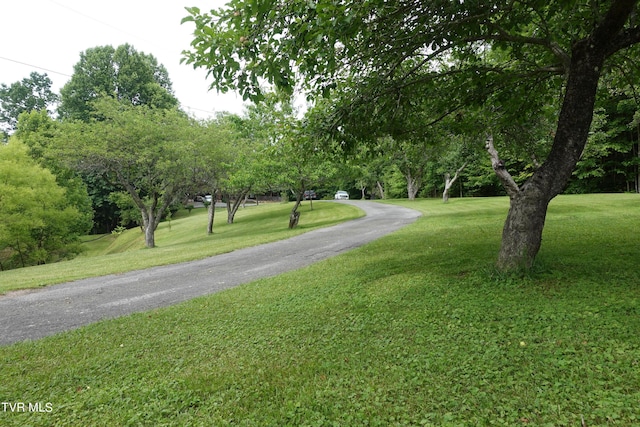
[[31, 94], [209, 154], [239, 169], [124, 74], [139, 147], [541, 50], [121, 73], [411, 157]]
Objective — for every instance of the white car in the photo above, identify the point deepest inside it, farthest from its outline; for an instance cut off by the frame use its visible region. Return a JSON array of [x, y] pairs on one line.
[[341, 195]]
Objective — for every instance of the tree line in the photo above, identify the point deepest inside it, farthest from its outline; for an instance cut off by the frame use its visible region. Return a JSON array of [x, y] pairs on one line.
[[407, 99], [119, 152], [527, 78]]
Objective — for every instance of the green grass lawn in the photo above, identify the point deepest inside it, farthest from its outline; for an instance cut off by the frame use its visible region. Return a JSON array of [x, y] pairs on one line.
[[182, 239], [416, 328]]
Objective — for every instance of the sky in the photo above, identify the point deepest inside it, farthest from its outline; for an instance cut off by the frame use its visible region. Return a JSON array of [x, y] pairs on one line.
[[47, 36]]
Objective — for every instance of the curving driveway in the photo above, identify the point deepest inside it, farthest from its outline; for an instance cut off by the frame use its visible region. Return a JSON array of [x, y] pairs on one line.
[[36, 314]]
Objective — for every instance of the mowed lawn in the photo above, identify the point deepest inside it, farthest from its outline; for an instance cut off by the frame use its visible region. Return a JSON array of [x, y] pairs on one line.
[[416, 328]]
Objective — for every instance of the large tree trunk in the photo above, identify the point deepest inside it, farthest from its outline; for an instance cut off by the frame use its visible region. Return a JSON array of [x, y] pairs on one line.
[[150, 234], [522, 233], [149, 225]]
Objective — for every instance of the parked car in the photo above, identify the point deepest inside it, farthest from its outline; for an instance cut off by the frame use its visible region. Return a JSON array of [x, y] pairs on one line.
[[208, 198], [310, 195], [341, 195]]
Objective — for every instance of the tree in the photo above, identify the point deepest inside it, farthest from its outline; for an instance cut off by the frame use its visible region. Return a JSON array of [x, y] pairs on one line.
[[368, 166], [36, 220], [121, 73], [457, 154], [31, 94], [244, 167], [449, 181], [411, 158], [295, 159], [210, 152], [37, 131], [520, 54], [124, 74], [139, 147]]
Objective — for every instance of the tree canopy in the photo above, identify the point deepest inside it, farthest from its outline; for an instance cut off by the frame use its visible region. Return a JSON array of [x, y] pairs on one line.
[[121, 73], [141, 148], [29, 94], [36, 220], [382, 59]]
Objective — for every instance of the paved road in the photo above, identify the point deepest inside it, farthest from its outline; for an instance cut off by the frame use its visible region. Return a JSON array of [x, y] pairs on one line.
[[36, 314]]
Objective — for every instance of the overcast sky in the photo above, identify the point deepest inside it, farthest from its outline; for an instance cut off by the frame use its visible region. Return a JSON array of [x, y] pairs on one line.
[[47, 36]]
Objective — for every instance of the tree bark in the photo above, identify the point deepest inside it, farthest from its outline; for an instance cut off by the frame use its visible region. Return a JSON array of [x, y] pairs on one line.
[[152, 215], [232, 208], [448, 182], [522, 233], [149, 234], [380, 189], [211, 212], [294, 216], [413, 185], [148, 225]]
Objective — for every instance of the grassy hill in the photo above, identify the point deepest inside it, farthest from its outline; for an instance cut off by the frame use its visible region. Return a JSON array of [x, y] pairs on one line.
[[415, 329], [182, 239]]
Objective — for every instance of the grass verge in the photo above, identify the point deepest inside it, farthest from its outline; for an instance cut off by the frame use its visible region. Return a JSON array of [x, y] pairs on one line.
[[414, 329], [179, 240]]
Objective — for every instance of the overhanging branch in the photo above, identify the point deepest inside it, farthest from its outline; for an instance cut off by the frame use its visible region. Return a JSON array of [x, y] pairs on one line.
[[498, 166]]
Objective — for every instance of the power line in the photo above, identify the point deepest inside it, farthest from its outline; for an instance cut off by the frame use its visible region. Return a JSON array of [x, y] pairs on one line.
[[34, 66], [209, 112], [67, 75], [106, 24]]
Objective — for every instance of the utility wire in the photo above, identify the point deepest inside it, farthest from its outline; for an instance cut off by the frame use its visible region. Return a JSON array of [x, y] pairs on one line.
[[102, 23], [34, 66], [67, 75], [124, 32]]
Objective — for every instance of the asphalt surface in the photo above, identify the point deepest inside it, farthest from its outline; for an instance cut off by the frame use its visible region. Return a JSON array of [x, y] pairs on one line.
[[29, 315]]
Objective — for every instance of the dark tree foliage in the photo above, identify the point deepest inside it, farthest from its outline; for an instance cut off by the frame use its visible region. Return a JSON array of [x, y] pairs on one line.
[[30, 94]]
